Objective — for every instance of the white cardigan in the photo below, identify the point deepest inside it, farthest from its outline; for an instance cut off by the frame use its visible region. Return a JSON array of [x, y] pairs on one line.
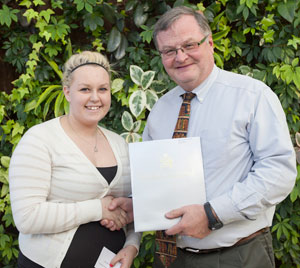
[[54, 188]]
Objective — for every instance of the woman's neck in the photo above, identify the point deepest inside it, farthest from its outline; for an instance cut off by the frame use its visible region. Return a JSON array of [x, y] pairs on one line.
[[81, 129]]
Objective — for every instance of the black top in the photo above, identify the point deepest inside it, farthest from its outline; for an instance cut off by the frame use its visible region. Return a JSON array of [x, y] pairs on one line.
[[88, 240], [108, 172]]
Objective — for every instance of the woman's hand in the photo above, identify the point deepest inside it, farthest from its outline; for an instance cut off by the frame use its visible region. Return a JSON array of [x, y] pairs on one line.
[[124, 203], [125, 256], [118, 216]]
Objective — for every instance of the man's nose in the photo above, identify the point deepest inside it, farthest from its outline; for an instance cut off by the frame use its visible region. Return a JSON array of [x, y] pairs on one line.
[[180, 55]]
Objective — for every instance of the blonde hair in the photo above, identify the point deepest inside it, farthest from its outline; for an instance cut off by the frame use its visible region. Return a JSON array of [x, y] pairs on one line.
[[80, 59]]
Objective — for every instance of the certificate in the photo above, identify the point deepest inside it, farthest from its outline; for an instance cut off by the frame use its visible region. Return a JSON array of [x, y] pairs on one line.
[[105, 258], [166, 174]]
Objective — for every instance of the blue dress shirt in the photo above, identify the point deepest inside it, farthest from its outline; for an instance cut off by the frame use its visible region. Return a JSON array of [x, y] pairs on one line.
[[248, 158]]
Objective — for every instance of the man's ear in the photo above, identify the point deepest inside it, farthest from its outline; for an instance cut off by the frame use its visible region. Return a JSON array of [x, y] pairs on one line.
[[211, 41], [67, 93]]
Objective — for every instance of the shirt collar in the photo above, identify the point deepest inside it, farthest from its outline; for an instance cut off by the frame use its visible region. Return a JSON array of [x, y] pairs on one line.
[[202, 90]]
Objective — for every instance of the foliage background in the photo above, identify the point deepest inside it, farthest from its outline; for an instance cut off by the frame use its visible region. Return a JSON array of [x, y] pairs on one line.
[[259, 38]]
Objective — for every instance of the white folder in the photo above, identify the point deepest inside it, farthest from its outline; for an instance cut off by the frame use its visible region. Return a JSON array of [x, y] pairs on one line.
[[166, 174]]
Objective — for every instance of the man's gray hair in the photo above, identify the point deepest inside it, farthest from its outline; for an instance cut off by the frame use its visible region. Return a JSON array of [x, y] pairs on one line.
[[168, 18]]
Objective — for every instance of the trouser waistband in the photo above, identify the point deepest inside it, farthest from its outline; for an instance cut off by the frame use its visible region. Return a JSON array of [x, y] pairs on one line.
[[238, 243]]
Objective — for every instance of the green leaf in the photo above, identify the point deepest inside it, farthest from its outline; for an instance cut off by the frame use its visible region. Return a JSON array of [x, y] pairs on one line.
[[266, 22], [88, 8], [7, 15], [151, 99], [31, 64], [147, 78], [108, 13], [53, 65], [136, 74], [178, 3], [136, 263], [4, 190], [219, 60], [268, 36], [296, 77], [30, 14], [38, 3], [26, 3], [66, 106], [146, 34], [158, 86], [2, 112], [217, 20], [45, 94], [79, 4], [58, 111], [131, 137], [139, 16], [279, 232], [127, 121], [294, 42], [136, 126], [287, 10], [245, 13], [294, 194], [117, 85], [52, 50], [285, 232], [47, 103], [46, 34], [137, 102], [37, 46], [121, 51], [5, 161], [18, 129], [4, 238], [46, 14], [221, 34], [114, 40], [240, 8], [93, 20], [297, 138]]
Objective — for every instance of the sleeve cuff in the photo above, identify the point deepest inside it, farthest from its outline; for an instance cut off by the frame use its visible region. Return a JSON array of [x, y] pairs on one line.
[[90, 210], [225, 210]]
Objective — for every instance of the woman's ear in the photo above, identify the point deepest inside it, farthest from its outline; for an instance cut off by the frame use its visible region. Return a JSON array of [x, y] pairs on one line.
[[67, 93]]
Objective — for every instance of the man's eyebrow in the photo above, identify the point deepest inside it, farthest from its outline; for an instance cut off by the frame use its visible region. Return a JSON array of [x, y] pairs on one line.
[[191, 39]]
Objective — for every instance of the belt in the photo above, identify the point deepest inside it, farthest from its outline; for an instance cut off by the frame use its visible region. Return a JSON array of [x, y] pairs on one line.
[[238, 243]]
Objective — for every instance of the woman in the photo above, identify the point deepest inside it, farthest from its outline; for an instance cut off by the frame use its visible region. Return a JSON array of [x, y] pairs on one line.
[[65, 172]]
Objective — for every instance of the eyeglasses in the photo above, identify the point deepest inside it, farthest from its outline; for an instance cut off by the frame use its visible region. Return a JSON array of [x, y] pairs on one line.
[[186, 48]]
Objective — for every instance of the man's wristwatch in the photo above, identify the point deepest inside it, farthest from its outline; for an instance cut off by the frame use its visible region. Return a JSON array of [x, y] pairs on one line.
[[213, 222]]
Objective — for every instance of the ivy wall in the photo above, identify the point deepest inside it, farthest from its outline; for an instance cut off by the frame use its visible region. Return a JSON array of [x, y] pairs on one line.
[[259, 38]]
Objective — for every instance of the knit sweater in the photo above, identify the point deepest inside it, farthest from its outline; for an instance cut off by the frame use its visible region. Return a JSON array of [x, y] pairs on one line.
[[54, 188]]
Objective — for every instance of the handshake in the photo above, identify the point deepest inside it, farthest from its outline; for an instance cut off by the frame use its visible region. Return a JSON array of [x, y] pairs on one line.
[[116, 212]]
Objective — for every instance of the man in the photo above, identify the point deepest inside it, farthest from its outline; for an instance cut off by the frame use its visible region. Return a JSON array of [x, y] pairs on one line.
[[248, 158]]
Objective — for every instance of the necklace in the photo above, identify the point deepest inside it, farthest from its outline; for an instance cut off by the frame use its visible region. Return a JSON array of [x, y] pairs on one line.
[[96, 141]]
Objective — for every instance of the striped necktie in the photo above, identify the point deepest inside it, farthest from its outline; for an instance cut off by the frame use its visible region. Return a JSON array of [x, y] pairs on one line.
[[166, 244]]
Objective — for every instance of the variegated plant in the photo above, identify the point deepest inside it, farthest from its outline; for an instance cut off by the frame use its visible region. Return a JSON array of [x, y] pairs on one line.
[[143, 95], [131, 135]]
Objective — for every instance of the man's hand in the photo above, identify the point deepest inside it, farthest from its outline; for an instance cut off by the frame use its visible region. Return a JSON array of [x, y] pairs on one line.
[[123, 203], [193, 223]]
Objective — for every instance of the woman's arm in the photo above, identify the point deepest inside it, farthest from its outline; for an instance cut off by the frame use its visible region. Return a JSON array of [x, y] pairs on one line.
[[30, 175]]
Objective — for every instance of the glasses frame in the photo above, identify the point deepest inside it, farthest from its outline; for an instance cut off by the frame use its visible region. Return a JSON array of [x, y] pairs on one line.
[[163, 52]]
